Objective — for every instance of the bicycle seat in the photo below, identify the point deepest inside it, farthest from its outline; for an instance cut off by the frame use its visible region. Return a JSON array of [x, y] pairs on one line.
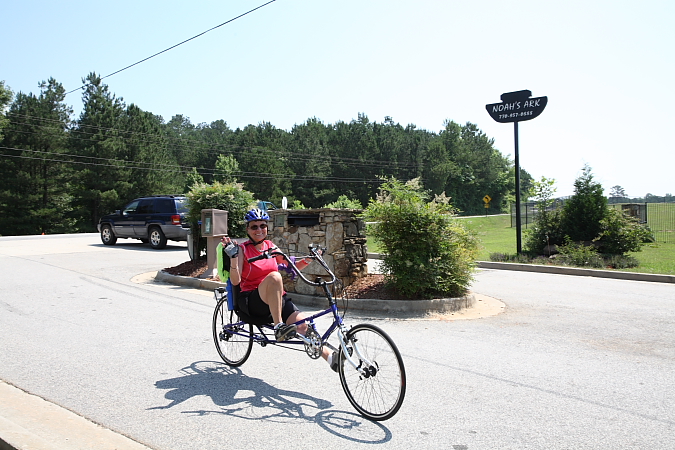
[[253, 320]]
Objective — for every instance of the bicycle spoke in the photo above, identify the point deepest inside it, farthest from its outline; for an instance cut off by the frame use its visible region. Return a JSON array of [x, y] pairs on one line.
[[233, 341]]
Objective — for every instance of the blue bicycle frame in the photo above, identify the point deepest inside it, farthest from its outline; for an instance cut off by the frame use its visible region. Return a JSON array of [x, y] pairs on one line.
[[263, 338]]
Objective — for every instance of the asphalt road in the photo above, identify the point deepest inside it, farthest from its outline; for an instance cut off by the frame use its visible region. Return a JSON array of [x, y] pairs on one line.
[[572, 362]]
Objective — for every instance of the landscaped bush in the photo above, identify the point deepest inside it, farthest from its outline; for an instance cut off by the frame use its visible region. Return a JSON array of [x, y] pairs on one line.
[[579, 255], [546, 230], [426, 252], [544, 233], [345, 202], [620, 233], [621, 262], [576, 255], [585, 217], [510, 258], [584, 211], [230, 197]]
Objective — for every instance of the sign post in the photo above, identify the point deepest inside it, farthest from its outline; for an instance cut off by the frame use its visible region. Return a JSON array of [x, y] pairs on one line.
[[517, 107]]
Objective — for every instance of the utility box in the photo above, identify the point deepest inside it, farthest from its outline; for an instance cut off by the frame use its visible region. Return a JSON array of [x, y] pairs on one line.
[[214, 226], [214, 222]]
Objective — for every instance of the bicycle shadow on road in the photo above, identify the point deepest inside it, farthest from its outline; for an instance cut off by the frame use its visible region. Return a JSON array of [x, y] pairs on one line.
[[245, 397]]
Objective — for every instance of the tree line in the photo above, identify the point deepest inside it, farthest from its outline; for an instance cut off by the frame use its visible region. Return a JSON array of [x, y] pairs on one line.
[[60, 174], [617, 194]]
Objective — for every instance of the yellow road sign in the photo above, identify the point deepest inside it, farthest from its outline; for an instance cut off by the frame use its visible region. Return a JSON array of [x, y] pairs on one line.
[[487, 199]]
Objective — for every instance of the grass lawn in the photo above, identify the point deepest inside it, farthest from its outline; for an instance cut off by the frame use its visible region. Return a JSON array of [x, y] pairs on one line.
[[497, 236], [656, 258]]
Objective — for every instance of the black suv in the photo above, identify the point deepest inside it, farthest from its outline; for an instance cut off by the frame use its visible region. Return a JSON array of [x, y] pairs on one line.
[[150, 219]]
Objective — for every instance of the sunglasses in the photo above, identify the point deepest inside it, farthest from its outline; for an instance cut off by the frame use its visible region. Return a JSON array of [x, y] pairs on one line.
[[262, 226]]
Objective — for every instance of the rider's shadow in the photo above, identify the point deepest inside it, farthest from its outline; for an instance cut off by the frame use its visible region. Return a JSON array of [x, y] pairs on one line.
[[246, 397], [236, 394]]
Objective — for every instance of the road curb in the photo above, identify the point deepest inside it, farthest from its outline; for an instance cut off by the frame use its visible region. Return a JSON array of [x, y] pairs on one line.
[[562, 270], [361, 304], [31, 422], [576, 271]]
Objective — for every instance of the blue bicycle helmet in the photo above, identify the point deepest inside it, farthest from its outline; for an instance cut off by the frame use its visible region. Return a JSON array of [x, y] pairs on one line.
[[256, 214]]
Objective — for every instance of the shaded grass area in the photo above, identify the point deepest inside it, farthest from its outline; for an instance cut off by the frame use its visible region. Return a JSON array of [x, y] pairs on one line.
[[497, 236]]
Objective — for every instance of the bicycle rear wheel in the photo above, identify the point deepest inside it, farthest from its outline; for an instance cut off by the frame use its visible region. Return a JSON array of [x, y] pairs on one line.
[[377, 392], [233, 338]]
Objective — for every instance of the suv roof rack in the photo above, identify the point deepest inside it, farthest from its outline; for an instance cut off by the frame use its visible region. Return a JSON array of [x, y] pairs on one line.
[[168, 195]]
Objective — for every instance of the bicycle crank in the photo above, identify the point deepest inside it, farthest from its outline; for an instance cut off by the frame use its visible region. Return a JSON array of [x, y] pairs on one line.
[[315, 346]]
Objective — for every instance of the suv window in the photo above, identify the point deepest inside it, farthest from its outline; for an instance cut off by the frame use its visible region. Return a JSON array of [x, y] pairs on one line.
[[145, 207], [182, 205], [164, 206], [130, 208]]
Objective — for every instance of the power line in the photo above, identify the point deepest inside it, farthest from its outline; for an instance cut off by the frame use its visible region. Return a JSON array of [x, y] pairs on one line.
[[214, 149], [235, 149], [174, 46], [161, 167]]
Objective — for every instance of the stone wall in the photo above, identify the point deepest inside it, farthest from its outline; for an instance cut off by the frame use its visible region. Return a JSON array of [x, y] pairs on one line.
[[338, 230]]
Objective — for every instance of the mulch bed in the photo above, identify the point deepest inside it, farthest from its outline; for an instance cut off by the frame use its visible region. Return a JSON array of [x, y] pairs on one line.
[[192, 269], [373, 286]]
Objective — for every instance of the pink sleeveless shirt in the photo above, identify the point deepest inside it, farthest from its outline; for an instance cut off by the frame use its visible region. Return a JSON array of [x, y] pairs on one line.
[[252, 274]]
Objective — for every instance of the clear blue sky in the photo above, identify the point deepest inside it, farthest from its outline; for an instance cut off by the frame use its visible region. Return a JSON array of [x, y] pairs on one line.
[[607, 67]]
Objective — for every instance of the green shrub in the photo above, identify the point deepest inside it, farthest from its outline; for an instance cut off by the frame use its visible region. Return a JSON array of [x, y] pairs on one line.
[[584, 211], [426, 252], [621, 262], [546, 230], [230, 197], [344, 202], [579, 255], [620, 233], [572, 255], [511, 258], [585, 217]]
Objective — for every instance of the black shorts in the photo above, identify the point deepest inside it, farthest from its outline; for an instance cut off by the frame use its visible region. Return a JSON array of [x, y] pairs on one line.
[[250, 303]]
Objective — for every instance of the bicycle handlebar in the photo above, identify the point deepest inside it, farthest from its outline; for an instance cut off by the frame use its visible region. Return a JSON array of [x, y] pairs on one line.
[[315, 254]]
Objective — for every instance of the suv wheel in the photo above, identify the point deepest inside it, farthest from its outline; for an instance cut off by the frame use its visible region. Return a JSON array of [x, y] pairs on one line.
[[107, 235], [157, 238]]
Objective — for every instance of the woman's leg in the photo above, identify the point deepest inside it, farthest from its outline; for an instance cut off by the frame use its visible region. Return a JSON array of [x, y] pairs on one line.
[[271, 290], [302, 329]]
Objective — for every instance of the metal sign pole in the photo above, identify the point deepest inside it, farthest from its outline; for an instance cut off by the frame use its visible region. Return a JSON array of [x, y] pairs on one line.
[[519, 243], [516, 107]]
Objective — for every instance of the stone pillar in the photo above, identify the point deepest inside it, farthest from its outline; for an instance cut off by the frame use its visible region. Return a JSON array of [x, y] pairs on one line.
[[340, 231]]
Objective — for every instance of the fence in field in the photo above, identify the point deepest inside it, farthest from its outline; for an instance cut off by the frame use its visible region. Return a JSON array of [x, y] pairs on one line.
[[659, 217], [530, 210]]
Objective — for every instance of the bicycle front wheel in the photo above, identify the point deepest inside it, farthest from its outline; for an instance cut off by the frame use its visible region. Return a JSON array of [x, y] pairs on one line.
[[233, 338], [376, 388]]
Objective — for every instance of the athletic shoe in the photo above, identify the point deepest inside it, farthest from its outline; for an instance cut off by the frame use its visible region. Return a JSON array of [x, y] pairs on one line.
[[283, 332], [334, 362]]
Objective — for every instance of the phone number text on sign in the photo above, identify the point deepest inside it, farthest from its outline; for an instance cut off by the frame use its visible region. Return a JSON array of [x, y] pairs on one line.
[[520, 114]]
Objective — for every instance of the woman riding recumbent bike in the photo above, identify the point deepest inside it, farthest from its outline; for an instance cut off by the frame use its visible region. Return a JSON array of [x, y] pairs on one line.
[[370, 366]]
